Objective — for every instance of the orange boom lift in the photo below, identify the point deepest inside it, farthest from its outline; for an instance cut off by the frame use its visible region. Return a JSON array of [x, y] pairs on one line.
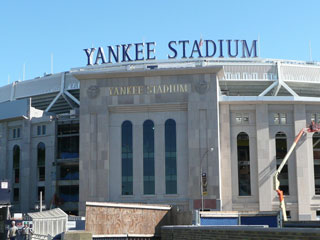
[[276, 184]]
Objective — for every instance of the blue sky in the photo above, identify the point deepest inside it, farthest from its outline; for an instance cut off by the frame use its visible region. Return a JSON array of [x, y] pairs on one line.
[[33, 30]]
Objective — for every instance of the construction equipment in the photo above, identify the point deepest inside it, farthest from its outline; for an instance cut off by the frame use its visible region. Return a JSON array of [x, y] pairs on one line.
[[276, 184]]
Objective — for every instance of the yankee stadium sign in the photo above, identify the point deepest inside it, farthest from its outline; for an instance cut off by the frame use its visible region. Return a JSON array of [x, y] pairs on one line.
[[184, 49]]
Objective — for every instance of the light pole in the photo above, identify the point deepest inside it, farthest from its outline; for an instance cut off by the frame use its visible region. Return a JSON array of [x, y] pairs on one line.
[[40, 206], [203, 175]]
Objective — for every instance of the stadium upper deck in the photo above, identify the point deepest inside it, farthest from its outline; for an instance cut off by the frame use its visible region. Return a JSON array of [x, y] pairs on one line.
[[239, 80]]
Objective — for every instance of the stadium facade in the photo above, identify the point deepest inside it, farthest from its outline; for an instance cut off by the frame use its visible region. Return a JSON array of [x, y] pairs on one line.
[[160, 131]]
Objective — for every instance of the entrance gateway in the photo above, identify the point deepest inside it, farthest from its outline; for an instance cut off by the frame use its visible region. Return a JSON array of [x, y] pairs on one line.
[[147, 133]]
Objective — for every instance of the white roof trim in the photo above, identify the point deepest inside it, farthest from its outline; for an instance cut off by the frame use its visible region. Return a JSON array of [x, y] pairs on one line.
[[129, 205], [291, 99]]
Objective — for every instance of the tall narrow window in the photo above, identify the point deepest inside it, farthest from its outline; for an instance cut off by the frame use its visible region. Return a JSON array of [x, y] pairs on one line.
[[281, 151], [38, 130], [44, 129], [316, 159], [16, 164], [171, 156], [127, 163], [41, 161], [243, 164], [148, 157]]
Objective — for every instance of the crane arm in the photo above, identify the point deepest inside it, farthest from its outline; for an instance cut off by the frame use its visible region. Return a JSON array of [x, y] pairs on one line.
[[285, 159], [276, 184]]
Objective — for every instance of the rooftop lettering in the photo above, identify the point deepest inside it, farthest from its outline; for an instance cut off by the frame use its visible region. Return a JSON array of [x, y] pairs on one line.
[[184, 49]]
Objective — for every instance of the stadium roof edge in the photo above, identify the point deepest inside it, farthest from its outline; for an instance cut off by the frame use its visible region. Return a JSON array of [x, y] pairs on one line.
[[180, 62]]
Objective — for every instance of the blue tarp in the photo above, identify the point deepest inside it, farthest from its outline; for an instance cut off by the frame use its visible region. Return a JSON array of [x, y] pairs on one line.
[[219, 221], [262, 219], [271, 221]]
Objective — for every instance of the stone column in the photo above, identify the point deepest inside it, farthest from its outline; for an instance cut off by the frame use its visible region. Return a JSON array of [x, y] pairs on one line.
[[194, 161], [303, 163], [182, 156], [25, 163], [84, 161], [225, 147], [116, 164], [263, 157], [137, 160], [94, 165], [103, 158], [202, 135], [50, 179], [94, 145], [93, 158], [159, 160]]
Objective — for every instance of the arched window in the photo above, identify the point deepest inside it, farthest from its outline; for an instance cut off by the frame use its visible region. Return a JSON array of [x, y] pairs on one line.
[[16, 164], [41, 163], [171, 156], [316, 159], [148, 157], [281, 151], [243, 164], [126, 158]]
